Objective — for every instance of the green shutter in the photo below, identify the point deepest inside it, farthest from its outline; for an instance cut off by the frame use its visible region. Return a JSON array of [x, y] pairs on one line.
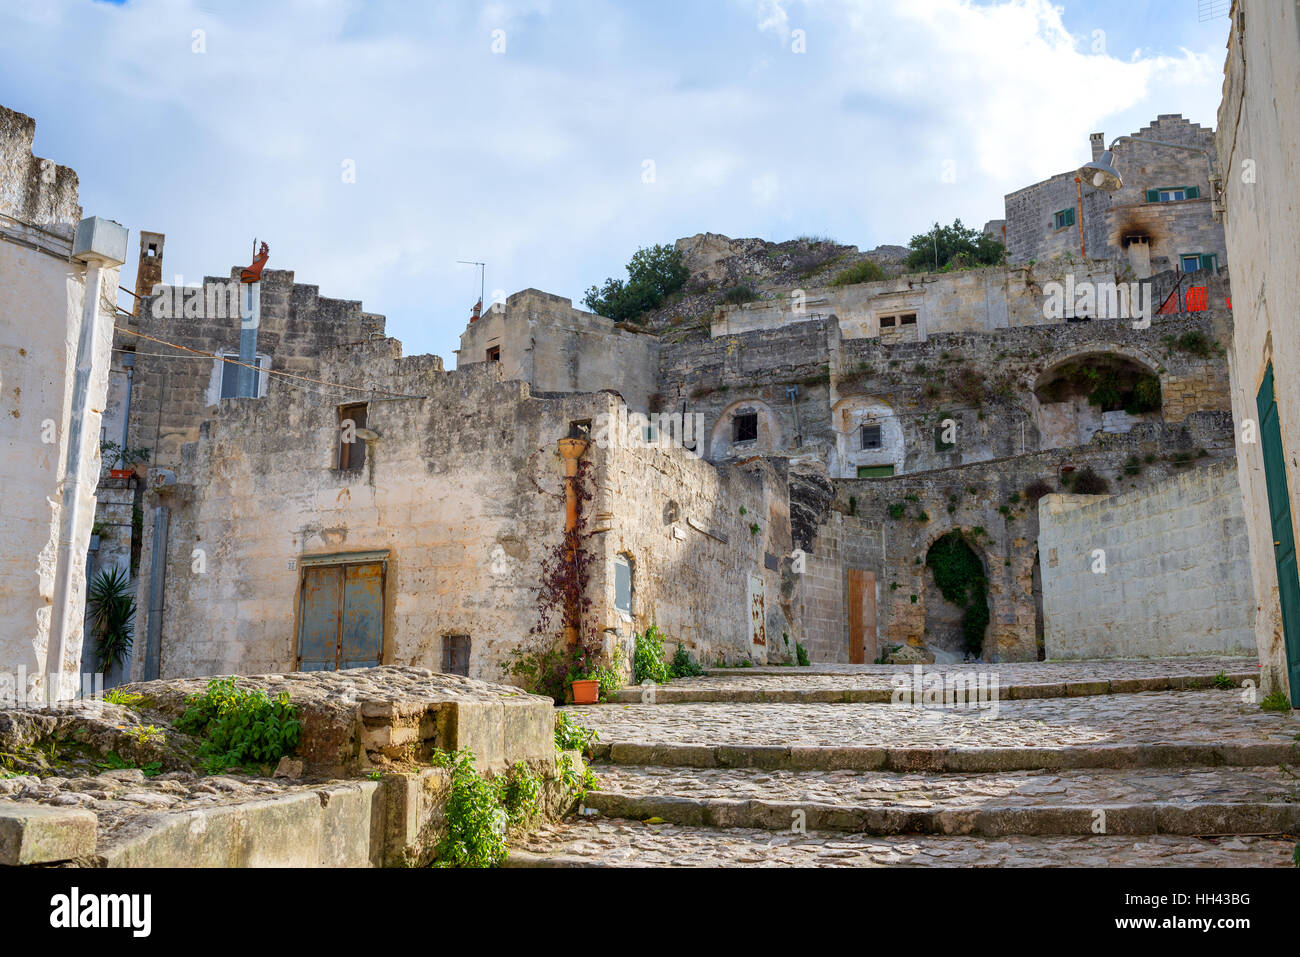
[[1153, 196], [1193, 192], [1207, 261], [1069, 217]]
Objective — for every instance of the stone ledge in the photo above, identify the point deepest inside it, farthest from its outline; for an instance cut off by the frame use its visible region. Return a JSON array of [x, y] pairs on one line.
[[37, 834]]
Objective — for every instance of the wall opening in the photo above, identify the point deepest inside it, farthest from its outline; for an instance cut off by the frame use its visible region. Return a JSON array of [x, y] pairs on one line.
[[957, 603], [455, 655]]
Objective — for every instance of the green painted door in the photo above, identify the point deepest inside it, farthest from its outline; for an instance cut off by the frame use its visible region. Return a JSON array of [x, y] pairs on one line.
[[1279, 513]]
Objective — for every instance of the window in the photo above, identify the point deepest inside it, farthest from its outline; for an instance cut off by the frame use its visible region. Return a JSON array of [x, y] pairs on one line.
[[907, 320], [623, 585], [1194, 261], [744, 427], [580, 429], [1171, 194], [871, 436], [494, 354], [228, 373], [875, 471], [1063, 219], [887, 322], [352, 448], [455, 655]]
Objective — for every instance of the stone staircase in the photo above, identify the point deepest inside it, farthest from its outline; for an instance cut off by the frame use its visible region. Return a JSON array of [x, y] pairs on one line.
[[1090, 763]]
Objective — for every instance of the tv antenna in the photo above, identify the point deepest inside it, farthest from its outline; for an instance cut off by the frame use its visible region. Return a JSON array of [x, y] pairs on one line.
[[482, 270]]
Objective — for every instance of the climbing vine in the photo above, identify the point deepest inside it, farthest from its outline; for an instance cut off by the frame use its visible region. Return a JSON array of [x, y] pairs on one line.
[[960, 577]]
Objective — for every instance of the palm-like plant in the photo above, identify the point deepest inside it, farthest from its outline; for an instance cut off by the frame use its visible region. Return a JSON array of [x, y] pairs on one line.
[[112, 613]]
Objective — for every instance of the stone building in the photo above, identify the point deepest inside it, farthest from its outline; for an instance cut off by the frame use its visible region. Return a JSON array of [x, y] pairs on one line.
[[58, 278], [1258, 140], [1162, 218]]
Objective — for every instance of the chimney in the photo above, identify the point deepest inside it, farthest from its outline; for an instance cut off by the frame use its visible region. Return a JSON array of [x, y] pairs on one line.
[[1098, 143], [148, 272]]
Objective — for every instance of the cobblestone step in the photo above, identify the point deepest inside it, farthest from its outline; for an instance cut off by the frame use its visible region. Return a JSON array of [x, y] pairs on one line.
[[605, 842], [955, 759], [1030, 672], [1079, 788], [877, 689]]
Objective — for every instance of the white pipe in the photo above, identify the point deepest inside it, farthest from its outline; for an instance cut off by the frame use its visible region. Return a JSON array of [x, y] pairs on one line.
[[61, 612]]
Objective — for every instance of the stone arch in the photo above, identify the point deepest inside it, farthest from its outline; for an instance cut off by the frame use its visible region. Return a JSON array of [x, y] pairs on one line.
[[769, 437], [943, 621], [848, 417], [1062, 413]]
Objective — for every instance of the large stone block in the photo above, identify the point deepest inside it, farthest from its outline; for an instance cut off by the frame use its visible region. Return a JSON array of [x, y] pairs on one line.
[[36, 834]]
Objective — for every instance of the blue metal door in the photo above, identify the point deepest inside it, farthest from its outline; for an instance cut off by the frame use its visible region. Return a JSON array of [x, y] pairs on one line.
[[341, 618]]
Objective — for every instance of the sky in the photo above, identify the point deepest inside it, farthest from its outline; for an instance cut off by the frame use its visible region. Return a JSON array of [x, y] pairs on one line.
[[373, 143]]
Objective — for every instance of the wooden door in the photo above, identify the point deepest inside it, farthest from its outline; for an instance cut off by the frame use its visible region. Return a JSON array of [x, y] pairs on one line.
[[862, 616]]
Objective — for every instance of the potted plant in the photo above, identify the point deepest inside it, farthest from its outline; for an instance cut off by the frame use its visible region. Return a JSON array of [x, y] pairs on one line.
[[112, 616], [584, 681], [123, 458]]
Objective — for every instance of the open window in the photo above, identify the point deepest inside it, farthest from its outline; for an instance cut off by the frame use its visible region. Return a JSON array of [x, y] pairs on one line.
[[744, 426], [494, 354], [455, 655], [352, 447], [225, 376]]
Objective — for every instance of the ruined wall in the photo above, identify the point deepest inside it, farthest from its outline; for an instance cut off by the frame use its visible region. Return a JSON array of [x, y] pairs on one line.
[[1258, 140], [1159, 570], [173, 389], [463, 489], [544, 341], [887, 525]]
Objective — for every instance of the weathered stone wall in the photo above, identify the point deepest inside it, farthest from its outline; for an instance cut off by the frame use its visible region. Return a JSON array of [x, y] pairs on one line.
[[1259, 138], [1171, 229], [173, 389], [1155, 571], [41, 302], [544, 341], [989, 503], [463, 490]]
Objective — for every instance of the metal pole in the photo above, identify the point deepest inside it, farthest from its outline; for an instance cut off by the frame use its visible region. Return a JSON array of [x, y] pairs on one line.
[[157, 578]]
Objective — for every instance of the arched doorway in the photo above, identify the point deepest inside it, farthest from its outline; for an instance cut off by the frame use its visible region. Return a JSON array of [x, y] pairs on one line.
[[956, 599]]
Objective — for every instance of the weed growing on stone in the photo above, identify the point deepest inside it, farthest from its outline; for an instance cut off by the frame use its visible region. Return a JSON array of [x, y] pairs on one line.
[[1221, 680], [683, 665], [476, 820], [240, 727], [571, 736], [127, 699], [801, 654], [648, 662], [1277, 701]]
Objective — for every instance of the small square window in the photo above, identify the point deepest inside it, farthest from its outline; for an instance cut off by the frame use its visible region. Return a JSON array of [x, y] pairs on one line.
[[455, 655], [1063, 219], [494, 354], [887, 322], [580, 429], [908, 320], [744, 427], [871, 436]]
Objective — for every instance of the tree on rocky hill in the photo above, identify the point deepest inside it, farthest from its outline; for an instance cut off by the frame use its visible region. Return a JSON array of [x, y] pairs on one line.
[[652, 276], [958, 247]]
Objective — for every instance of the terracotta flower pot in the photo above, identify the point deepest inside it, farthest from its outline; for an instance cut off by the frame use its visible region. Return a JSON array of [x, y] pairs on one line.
[[586, 691], [120, 473]]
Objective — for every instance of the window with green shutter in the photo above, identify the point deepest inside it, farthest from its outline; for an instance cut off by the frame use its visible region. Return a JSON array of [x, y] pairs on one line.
[[1172, 194], [1063, 219], [875, 471]]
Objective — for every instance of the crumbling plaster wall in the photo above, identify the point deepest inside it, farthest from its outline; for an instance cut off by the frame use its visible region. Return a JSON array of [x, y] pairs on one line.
[[1155, 571]]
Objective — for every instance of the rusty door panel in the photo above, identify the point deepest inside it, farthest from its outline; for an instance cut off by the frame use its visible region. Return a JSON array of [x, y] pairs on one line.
[[862, 616], [363, 616], [322, 601]]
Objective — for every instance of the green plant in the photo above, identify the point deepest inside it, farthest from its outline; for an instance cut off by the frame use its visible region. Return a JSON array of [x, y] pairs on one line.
[[112, 614], [147, 734], [476, 821], [571, 736], [1277, 701], [961, 580], [653, 274], [240, 727], [113, 761], [955, 246], [885, 652], [127, 699], [1221, 680], [117, 456], [576, 784], [753, 528], [801, 654], [1194, 343], [1088, 482], [648, 662], [866, 270], [738, 295], [896, 510], [375, 775], [853, 505], [683, 665], [520, 794]]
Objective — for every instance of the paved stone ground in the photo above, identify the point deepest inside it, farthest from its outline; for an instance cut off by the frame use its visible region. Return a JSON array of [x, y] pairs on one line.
[[1045, 813], [1154, 717], [1004, 789], [632, 844]]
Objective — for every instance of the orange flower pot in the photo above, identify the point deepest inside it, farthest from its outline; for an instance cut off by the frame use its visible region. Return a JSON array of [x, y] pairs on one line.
[[586, 691]]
